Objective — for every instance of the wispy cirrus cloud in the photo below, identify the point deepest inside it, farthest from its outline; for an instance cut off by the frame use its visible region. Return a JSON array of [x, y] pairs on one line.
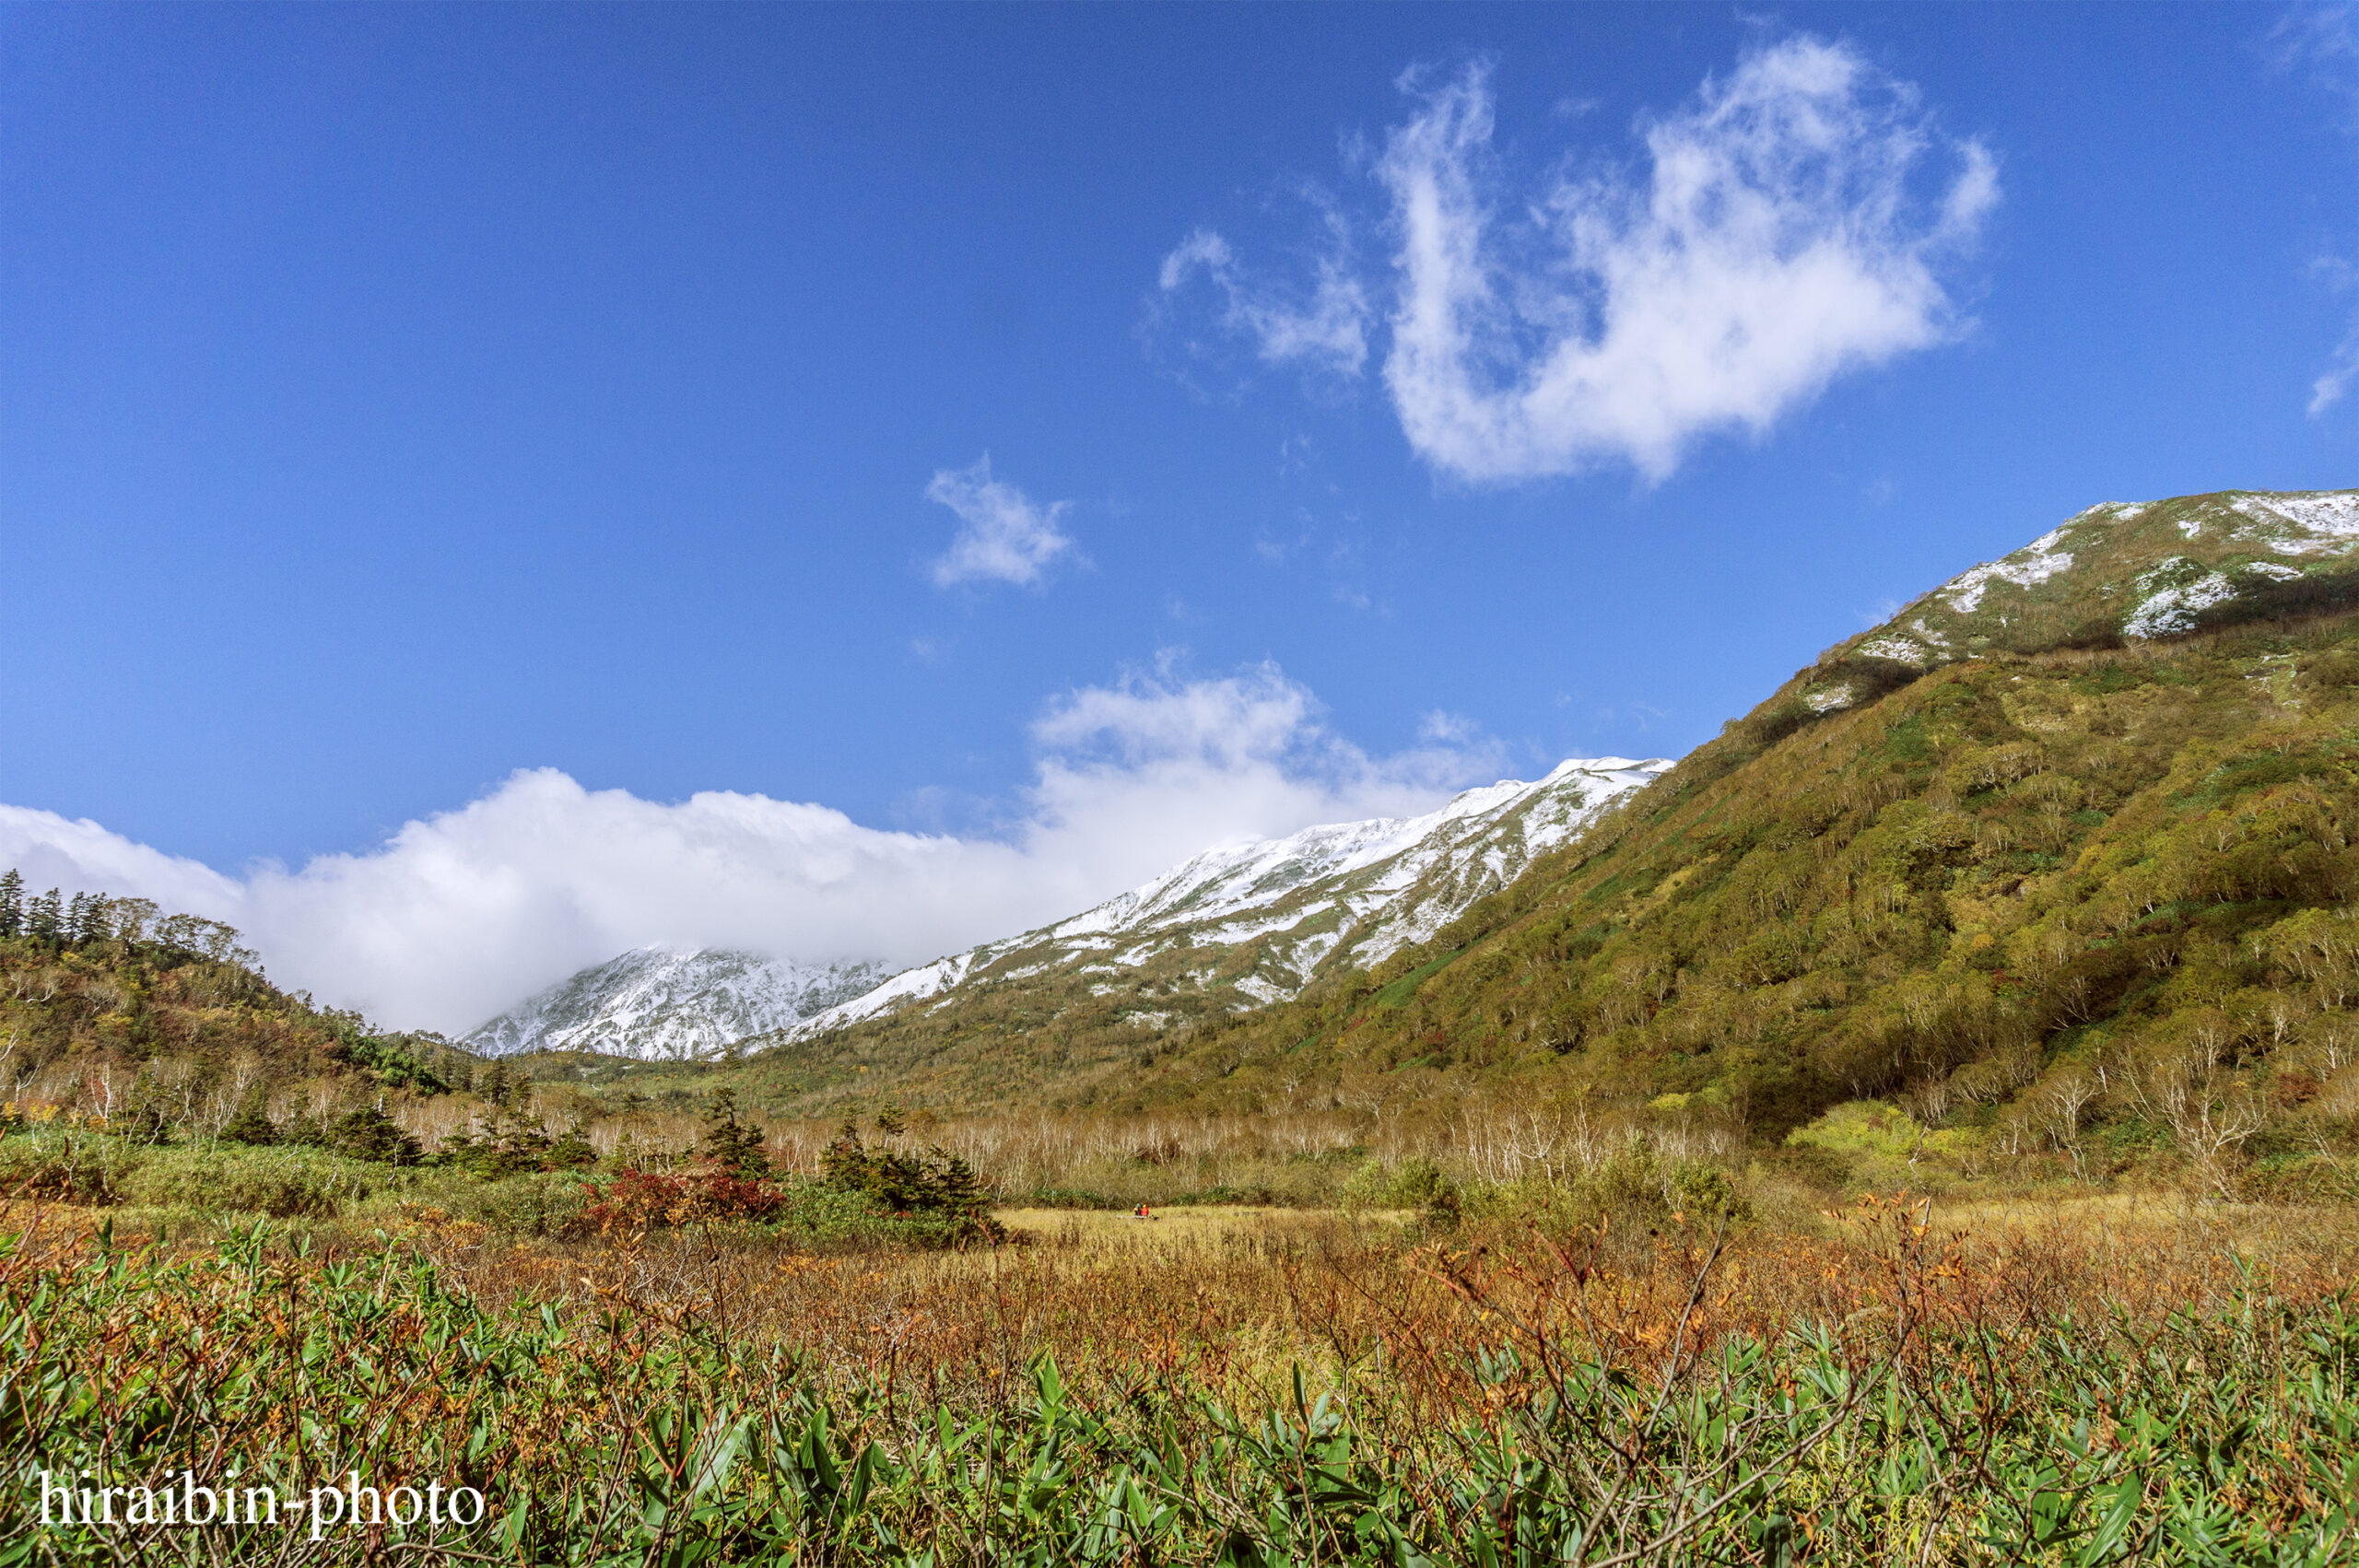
[[1003, 536], [2342, 365], [1324, 328], [2324, 40], [1792, 225]]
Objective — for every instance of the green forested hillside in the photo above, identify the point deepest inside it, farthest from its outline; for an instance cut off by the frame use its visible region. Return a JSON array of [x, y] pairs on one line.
[[2055, 863], [2091, 902], [2057, 850], [109, 1009]]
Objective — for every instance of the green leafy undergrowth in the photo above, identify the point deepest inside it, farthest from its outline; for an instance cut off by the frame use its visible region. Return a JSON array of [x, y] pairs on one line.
[[599, 1437]]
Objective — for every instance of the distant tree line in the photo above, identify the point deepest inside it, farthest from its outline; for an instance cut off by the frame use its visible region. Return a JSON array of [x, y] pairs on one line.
[[52, 920]]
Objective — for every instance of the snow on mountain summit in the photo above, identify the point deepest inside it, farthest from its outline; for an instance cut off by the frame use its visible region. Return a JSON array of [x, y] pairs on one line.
[[1243, 925], [1256, 920], [1261, 920], [2120, 572], [659, 1003]]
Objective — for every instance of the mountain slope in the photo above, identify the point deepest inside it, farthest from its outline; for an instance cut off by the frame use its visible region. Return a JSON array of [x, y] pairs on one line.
[[2092, 901], [131, 1024], [2017, 841], [1234, 929], [2120, 572], [1344, 893], [659, 1004]]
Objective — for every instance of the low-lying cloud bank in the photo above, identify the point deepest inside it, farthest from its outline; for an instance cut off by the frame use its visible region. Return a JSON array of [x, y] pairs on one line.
[[461, 913]]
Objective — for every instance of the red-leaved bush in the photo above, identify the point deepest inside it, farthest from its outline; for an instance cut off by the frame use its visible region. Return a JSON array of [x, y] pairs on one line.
[[638, 1200]]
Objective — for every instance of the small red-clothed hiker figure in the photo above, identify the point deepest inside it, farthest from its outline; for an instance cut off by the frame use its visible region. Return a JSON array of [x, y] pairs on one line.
[[1141, 1212]]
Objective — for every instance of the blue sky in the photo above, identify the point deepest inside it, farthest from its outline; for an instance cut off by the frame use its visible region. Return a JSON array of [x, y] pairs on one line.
[[394, 400]]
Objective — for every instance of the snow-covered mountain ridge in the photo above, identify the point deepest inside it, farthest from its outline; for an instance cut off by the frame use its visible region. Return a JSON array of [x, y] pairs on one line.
[[1257, 922], [1248, 924], [658, 1003]]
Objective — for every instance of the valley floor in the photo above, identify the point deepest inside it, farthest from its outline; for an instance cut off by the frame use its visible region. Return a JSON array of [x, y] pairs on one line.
[[2106, 1378]]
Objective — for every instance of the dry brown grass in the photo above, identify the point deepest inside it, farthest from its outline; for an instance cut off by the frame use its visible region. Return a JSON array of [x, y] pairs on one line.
[[1990, 1310], [1232, 1300], [1169, 1232]]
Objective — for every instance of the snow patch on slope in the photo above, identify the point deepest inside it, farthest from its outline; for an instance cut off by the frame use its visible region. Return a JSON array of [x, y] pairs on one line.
[[2167, 611], [2297, 522], [2035, 563]]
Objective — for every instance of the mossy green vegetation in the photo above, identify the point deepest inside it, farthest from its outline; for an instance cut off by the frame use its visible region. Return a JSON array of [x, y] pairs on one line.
[[2084, 913], [600, 1432]]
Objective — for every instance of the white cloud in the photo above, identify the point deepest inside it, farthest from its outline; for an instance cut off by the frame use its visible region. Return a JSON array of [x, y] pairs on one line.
[[1773, 248], [1002, 536], [1328, 330], [1777, 240], [461, 913], [2326, 40], [1448, 728], [81, 856], [2327, 390], [1192, 763]]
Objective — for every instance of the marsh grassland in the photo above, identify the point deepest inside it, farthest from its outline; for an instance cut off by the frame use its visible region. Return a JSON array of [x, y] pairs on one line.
[[1921, 1128], [1892, 1381]]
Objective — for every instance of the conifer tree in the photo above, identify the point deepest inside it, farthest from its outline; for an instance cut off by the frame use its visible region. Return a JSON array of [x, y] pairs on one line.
[[45, 919], [736, 1146], [574, 1150], [367, 1133], [844, 1161], [91, 924], [251, 1125], [12, 903], [952, 1188], [519, 1137]]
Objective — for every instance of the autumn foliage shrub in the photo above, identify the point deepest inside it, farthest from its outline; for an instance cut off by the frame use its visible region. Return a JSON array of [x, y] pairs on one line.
[[638, 1200]]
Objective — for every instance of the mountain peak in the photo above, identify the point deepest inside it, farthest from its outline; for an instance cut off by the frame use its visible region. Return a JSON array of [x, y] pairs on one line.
[[671, 1003], [2119, 571], [1255, 921], [1241, 925]]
